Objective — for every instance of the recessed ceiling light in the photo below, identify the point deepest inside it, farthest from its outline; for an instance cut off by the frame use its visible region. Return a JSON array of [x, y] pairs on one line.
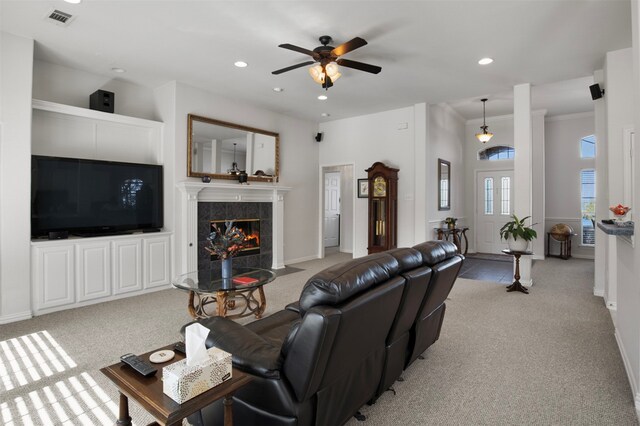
[[325, 114], [322, 97], [278, 89], [240, 64], [73, 1], [120, 70], [485, 61]]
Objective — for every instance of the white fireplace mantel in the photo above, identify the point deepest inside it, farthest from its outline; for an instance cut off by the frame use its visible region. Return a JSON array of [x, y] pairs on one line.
[[193, 192]]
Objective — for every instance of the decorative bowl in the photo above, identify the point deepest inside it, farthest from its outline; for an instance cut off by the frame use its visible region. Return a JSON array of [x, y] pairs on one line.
[[619, 211]]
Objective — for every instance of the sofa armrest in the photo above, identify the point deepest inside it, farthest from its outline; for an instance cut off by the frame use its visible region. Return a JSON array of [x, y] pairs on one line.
[[250, 352], [293, 306]]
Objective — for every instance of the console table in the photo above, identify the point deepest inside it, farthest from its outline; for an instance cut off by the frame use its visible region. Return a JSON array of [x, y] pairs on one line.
[[147, 391], [516, 286], [456, 233]]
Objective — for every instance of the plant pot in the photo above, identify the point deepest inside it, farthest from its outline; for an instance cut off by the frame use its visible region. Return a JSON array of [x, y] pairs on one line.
[[517, 245]]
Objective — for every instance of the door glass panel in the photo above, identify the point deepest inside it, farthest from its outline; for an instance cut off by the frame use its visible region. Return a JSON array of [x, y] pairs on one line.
[[505, 201], [488, 196]]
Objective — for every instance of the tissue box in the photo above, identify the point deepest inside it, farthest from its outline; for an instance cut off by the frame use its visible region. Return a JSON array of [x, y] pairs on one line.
[[181, 382]]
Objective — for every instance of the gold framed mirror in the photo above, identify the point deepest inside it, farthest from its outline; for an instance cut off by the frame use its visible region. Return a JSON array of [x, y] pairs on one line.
[[444, 184], [221, 150]]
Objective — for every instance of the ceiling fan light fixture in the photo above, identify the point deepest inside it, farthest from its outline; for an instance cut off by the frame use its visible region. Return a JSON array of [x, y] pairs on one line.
[[484, 136], [317, 73]]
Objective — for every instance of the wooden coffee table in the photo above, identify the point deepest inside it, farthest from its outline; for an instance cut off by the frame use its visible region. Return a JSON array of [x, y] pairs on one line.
[[147, 391]]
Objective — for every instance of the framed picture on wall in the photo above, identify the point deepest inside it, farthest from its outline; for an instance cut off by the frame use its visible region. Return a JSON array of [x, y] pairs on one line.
[[363, 188]]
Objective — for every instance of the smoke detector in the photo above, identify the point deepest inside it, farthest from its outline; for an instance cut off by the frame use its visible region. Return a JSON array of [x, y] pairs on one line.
[[59, 17]]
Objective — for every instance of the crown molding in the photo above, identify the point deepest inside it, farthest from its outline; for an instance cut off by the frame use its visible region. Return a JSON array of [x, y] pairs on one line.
[[496, 118], [575, 116]]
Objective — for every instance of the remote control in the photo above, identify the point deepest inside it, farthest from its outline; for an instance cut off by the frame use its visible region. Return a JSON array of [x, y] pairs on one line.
[[138, 364], [179, 347]]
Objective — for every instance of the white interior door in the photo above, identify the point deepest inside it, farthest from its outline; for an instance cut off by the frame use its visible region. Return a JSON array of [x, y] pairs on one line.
[[495, 206], [332, 209]]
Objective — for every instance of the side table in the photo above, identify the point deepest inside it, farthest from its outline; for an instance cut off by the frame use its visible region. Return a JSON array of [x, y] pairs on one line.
[[147, 391], [516, 286]]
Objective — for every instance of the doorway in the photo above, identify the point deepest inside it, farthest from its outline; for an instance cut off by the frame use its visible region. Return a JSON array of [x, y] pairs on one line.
[[337, 202], [331, 237], [494, 189]]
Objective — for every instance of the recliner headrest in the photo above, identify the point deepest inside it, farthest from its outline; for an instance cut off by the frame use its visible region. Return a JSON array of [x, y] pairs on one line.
[[345, 280], [407, 257], [436, 251]]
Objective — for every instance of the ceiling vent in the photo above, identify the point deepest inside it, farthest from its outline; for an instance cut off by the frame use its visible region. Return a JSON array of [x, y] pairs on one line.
[[59, 17]]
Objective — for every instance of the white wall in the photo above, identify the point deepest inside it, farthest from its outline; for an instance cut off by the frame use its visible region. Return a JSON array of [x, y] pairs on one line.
[[446, 141], [298, 161], [619, 115], [15, 177], [387, 137], [69, 86], [563, 166]]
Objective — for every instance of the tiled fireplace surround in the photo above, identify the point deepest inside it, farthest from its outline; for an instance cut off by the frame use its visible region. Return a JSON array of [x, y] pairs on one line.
[[202, 202], [208, 211]]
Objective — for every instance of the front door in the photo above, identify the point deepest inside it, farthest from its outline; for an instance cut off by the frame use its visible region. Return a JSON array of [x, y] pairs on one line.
[[494, 208], [332, 209]]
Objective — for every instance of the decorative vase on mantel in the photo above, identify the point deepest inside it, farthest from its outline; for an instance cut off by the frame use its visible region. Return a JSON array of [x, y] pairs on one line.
[[517, 245]]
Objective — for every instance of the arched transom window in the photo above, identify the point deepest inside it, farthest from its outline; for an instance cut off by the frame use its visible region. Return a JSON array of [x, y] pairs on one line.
[[500, 152]]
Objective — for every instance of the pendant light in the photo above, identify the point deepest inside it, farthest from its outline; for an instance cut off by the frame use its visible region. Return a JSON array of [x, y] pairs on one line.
[[485, 136], [234, 170]]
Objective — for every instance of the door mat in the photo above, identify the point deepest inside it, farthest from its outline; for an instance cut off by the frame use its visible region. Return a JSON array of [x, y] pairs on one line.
[[491, 256]]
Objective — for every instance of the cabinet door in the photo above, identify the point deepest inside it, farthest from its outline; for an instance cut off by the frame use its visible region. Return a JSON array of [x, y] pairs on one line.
[[93, 270], [127, 265], [53, 277], [157, 262]]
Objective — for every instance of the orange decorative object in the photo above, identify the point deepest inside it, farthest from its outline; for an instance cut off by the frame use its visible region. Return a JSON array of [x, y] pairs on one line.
[[619, 210]]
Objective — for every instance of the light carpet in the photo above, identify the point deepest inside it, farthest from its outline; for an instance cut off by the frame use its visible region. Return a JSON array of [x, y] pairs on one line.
[[549, 357]]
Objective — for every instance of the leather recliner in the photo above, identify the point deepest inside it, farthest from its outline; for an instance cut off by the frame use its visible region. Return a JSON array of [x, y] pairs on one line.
[[445, 263], [345, 341]]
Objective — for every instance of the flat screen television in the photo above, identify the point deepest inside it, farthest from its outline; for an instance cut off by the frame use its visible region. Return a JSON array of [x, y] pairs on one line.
[[92, 197]]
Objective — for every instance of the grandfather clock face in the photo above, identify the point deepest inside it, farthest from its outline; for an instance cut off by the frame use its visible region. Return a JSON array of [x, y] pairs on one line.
[[379, 187]]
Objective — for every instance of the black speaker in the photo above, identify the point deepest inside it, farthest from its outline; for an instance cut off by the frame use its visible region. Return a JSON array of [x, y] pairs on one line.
[[596, 91], [101, 100], [58, 235], [319, 137]]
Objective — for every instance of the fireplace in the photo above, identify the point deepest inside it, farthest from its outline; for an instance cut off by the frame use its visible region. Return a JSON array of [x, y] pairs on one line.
[[249, 227]]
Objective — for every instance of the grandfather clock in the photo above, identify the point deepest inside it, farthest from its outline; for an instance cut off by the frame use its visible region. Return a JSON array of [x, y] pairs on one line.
[[383, 207]]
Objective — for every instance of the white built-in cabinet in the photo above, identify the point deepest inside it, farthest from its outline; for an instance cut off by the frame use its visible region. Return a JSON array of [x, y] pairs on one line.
[[82, 271]]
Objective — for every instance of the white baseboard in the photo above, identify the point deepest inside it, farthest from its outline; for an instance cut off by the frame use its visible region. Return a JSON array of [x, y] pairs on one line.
[[301, 259], [598, 292], [582, 256], [527, 283], [630, 377], [21, 316]]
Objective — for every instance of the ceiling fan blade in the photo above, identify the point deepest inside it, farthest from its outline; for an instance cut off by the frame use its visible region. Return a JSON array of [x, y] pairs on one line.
[[374, 69], [349, 46], [299, 50], [293, 67]]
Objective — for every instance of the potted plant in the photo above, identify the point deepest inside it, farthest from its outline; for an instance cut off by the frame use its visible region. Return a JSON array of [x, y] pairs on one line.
[[517, 234], [451, 222]]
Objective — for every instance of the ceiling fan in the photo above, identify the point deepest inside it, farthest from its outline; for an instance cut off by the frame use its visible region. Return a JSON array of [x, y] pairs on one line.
[[326, 72]]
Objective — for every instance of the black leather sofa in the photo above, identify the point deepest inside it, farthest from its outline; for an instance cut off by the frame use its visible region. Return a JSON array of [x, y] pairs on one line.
[[355, 328]]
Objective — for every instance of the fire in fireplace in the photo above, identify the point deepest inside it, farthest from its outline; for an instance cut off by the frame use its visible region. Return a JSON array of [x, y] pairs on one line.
[[250, 228]]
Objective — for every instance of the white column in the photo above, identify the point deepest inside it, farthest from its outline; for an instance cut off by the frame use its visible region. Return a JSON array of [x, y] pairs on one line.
[[187, 244], [522, 143], [16, 69], [421, 165], [278, 230]]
